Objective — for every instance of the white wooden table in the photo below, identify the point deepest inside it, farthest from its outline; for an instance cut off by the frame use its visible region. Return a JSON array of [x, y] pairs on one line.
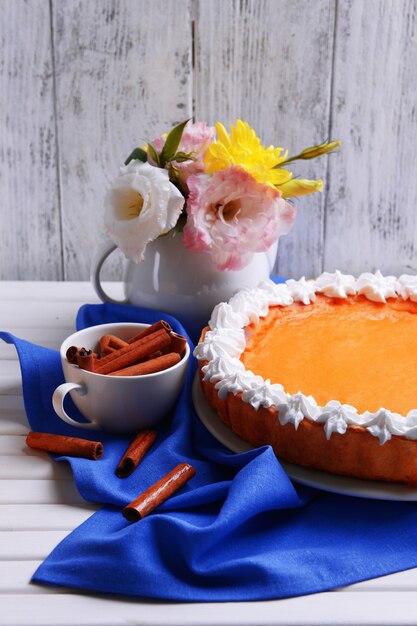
[[39, 506]]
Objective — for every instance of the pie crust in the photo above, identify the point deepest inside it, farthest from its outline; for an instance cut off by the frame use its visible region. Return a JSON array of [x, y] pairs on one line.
[[306, 426]]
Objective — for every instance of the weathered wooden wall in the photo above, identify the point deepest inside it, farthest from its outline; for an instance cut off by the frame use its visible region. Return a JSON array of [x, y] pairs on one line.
[[82, 81]]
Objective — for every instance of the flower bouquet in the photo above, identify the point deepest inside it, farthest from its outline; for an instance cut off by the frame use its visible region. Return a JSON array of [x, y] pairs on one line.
[[226, 192]]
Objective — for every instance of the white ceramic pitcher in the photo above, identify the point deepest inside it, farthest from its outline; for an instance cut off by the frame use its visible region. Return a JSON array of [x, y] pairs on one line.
[[185, 284]]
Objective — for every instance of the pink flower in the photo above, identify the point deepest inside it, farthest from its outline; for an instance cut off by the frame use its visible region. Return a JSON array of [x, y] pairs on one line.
[[232, 216], [196, 138]]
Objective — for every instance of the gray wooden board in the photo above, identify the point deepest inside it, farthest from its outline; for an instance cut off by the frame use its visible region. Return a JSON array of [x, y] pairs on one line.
[[30, 239], [371, 218], [123, 76], [259, 61], [82, 83]]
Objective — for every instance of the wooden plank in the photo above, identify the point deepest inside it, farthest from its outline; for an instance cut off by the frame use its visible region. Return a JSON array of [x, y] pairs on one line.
[[55, 291], [123, 73], [13, 424], [325, 609], [24, 517], [49, 338], [9, 368], [30, 221], [10, 378], [11, 404], [371, 219], [7, 350], [33, 468], [61, 314], [29, 545], [39, 492], [267, 66], [15, 578], [400, 581], [15, 445]]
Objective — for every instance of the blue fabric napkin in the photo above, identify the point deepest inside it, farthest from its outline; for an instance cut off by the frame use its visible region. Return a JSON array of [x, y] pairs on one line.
[[239, 530]]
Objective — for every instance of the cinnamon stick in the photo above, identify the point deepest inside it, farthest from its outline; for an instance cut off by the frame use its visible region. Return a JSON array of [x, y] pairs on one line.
[[159, 492], [151, 366], [151, 329], [133, 352], [71, 355], [109, 343], [107, 350], [156, 354], [68, 446], [178, 343], [135, 453], [85, 359]]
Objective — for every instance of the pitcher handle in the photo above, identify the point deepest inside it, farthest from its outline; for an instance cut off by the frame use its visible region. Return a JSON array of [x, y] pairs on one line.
[[106, 248]]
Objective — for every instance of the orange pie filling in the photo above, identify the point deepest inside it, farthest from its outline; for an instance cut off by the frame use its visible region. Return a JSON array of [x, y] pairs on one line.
[[318, 348], [353, 350]]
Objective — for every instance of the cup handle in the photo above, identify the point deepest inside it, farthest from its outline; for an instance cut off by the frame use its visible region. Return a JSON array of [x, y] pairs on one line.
[[58, 404], [103, 252]]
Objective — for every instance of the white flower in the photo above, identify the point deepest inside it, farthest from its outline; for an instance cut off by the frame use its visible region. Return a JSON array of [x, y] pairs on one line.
[[140, 205]]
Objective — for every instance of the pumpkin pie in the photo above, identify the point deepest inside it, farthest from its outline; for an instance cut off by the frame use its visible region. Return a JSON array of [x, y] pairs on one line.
[[325, 371]]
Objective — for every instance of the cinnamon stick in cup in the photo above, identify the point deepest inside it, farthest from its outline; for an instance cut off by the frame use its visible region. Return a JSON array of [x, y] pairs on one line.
[[151, 329], [133, 352], [151, 366], [82, 357], [71, 355], [68, 446], [135, 453], [178, 343], [110, 343], [86, 359], [159, 492]]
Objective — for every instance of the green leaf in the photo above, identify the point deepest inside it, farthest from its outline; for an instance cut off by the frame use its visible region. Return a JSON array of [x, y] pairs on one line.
[[172, 142], [137, 154], [173, 172], [179, 226], [152, 151], [180, 157]]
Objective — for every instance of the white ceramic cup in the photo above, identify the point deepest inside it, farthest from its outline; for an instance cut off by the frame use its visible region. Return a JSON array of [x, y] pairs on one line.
[[116, 404]]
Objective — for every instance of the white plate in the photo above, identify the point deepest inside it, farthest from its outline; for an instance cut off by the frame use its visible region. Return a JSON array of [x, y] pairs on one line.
[[313, 478]]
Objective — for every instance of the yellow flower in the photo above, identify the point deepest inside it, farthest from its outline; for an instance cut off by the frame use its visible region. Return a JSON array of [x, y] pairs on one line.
[[323, 148], [315, 151], [242, 147], [300, 187]]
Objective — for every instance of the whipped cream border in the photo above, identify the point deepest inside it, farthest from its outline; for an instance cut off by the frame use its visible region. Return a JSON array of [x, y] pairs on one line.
[[225, 341]]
